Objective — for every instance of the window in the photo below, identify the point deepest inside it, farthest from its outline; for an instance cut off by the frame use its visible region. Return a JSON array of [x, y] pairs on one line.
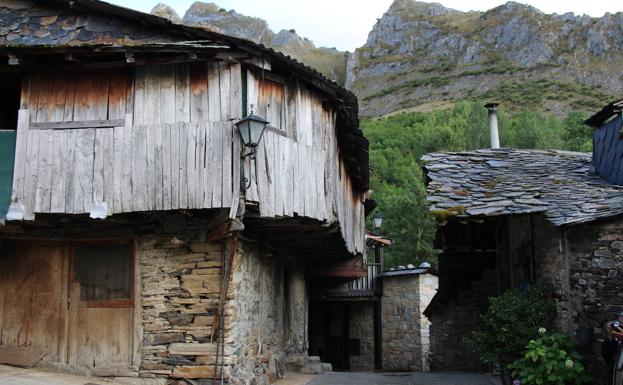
[[105, 274]]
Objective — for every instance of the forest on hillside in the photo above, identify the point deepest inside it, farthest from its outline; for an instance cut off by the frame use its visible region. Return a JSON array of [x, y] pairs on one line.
[[398, 142]]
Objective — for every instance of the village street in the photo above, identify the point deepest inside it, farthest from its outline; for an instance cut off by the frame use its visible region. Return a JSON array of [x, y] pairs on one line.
[[450, 378], [11, 376]]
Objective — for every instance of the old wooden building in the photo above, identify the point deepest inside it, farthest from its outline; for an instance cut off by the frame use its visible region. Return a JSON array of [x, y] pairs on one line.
[[138, 239], [509, 218]]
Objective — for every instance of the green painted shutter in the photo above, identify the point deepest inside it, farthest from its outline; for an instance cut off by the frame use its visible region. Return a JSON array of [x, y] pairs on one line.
[[7, 159]]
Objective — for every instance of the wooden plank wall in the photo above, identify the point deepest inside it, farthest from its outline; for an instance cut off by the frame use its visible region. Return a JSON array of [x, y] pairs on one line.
[[177, 129], [178, 147], [297, 167]]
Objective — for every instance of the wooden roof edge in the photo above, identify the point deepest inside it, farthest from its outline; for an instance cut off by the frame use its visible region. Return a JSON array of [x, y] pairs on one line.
[[598, 119]]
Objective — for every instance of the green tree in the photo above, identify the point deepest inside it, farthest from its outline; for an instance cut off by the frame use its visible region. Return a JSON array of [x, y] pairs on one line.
[[398, 142]]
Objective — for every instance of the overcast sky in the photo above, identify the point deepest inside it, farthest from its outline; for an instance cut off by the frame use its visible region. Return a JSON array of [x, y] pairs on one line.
[[345, 24]]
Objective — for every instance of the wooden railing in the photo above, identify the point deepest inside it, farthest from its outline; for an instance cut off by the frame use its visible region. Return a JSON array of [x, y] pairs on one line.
[[370, 283]]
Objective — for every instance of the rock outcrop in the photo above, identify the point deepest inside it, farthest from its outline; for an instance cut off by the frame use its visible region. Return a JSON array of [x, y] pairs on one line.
[[329, 61], [167, 12], [423, 53]]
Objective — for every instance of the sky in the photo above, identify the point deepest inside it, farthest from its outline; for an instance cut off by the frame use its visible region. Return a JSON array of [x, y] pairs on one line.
[[345, 24]]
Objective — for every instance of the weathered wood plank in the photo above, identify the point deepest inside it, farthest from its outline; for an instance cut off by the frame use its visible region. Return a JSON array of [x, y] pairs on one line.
[[224, 73], [200, 158], [72, 125], [183, 149], [235, 96], [139, 96], [126, 172], [182, 93], [208, 162], [214, 92], [227, 129], [21, 154], [217, 166], [166, 166], [198, 92], [83, 165], [140, 201], [174, 166], [98, 166], [157, 130]]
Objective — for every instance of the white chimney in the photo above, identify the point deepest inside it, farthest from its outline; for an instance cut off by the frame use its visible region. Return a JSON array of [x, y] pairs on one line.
[[493, 124]]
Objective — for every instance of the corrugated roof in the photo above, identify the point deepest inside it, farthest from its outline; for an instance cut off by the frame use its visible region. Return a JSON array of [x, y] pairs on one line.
[[495, 182]]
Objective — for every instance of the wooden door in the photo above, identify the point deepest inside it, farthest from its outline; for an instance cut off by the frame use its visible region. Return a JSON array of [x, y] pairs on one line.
[[31, 296], [101, 311]]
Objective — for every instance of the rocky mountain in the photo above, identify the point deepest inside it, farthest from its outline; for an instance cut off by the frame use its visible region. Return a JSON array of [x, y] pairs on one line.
[[329, 61], [424, 56]]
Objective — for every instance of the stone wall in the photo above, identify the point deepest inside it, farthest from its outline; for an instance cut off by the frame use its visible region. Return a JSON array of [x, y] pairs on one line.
[[453, 320], [428, 288], [265, 316], [362, 328], [594, 259], [180, 292], [402, 328]]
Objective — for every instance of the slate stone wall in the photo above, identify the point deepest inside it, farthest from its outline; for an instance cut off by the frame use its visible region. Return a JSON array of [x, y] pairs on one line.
[[404, 334], [265, 315], [452, 321], [584, 262], [268, 315]]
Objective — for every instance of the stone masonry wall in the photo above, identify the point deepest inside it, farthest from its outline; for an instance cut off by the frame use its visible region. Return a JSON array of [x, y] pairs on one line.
[[266, 320], [400, 317], [428, 288], [450, 323], [584, 262], [180, 292], [181, 284], [362, 328]]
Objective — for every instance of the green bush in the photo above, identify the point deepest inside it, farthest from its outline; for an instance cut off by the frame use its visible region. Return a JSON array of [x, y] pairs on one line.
[[551, 360], [511, 320]]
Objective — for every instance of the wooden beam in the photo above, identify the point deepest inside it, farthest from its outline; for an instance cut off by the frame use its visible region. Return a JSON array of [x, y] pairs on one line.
[[78, 124]]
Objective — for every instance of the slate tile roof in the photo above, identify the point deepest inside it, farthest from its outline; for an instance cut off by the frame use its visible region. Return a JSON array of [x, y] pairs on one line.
[[495, 182]]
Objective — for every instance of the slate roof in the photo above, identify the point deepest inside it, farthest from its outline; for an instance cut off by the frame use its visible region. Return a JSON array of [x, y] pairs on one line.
[[495, 182]]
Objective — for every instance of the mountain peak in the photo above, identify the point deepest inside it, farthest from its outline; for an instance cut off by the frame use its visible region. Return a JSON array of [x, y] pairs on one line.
[[167, 12], [420, 7]]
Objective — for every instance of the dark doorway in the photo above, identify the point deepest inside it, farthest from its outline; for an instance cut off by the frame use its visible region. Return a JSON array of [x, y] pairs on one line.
[[9, 105]]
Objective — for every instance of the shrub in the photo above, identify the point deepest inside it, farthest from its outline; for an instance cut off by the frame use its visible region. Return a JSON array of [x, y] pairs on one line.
[[550, 359], [511, 320]]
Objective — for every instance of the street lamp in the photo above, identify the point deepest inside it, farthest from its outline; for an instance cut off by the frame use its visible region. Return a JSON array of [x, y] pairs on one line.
[[251, 129], [377, 221]]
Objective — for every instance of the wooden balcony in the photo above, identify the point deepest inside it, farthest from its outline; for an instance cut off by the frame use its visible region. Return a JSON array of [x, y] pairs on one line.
[[368, 287]]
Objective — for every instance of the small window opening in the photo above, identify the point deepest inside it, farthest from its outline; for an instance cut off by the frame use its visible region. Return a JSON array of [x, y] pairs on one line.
[[10, 84], [104, 273]]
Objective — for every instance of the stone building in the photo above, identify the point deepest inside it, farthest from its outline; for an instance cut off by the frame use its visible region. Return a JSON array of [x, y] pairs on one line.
[[512, 217], [407, 292], [375, 322], [142, 238]]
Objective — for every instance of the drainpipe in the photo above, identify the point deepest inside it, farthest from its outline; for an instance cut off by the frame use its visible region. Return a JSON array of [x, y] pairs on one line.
[[493, 124]]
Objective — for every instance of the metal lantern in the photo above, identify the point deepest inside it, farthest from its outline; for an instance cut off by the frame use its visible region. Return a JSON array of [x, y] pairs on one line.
[[377, 221], [251, 129]]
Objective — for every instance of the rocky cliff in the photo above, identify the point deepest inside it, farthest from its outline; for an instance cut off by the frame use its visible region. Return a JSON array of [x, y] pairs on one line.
[[329, 61], [422, 55]]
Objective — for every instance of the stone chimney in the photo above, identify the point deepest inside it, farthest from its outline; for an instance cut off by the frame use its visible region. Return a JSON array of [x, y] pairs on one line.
[[493, 124]]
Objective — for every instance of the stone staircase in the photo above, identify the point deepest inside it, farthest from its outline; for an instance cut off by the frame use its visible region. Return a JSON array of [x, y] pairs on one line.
[[305, 364]]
